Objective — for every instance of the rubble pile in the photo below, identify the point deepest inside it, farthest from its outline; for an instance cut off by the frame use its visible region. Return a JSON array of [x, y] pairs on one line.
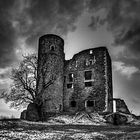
[[80, 118]]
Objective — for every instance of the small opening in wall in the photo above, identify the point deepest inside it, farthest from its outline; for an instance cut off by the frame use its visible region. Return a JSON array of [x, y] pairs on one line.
[[64, 79], [88, 84], [91, 52], [90, 62], [73, 103], [90, 103], [69, 85], [88, 75], [52, 47], [71, 77]]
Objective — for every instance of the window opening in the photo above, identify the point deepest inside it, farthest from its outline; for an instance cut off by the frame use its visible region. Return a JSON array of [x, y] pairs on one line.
[[90, 62], [87, 63], [88, 75], [73, 103], [52, 47], [90, 103], [64, 79], [88, 84], [71, 76], [70, 80], [70, 85]]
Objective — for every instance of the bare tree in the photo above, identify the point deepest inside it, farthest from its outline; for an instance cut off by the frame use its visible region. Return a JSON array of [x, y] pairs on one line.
[[23, 88]]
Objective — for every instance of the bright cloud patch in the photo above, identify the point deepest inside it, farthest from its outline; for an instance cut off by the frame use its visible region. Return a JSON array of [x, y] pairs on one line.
[[125, 70]]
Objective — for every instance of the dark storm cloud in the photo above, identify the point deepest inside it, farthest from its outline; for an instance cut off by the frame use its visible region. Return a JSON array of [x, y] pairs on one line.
[[131, 39], [123, 20], [30, 19], [7, 34], [47, 16]]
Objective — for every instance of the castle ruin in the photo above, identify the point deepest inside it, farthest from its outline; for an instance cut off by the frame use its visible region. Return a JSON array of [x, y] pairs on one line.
[[83, 83]]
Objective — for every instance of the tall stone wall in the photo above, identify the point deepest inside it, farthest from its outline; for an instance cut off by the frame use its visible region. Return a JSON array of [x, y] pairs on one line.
[[50, 72], [92, 98], [109, 87]]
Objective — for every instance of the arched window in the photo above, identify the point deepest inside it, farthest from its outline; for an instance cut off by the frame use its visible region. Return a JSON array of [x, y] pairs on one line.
[[52, 47]]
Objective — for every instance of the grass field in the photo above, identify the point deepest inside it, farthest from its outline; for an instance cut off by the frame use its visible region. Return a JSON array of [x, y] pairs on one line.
[[16, 129]]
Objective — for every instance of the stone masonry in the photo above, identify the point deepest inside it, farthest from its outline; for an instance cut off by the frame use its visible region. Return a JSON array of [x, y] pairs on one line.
[[91, 86], [50, 72], [83, 83]]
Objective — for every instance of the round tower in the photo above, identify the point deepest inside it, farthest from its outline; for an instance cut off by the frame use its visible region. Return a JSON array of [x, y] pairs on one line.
[[50, 72]]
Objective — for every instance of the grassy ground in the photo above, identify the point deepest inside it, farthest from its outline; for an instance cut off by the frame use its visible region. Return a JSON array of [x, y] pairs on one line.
[[23, 130]]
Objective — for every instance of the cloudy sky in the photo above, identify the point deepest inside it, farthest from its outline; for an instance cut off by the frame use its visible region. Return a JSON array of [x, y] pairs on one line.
[[82, 24]]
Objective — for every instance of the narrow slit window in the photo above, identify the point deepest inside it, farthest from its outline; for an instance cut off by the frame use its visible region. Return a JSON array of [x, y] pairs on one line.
[[64, 79], [88, 75], [52, 47], [90, 62]]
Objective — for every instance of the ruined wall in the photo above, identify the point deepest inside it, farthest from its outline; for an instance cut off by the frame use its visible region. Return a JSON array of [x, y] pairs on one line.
[[62, 85], [50, 72], [109, 87], [121, 106], [94, 97]]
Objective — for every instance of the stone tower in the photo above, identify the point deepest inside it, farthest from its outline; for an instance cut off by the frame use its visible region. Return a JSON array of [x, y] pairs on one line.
[[50, 72]]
